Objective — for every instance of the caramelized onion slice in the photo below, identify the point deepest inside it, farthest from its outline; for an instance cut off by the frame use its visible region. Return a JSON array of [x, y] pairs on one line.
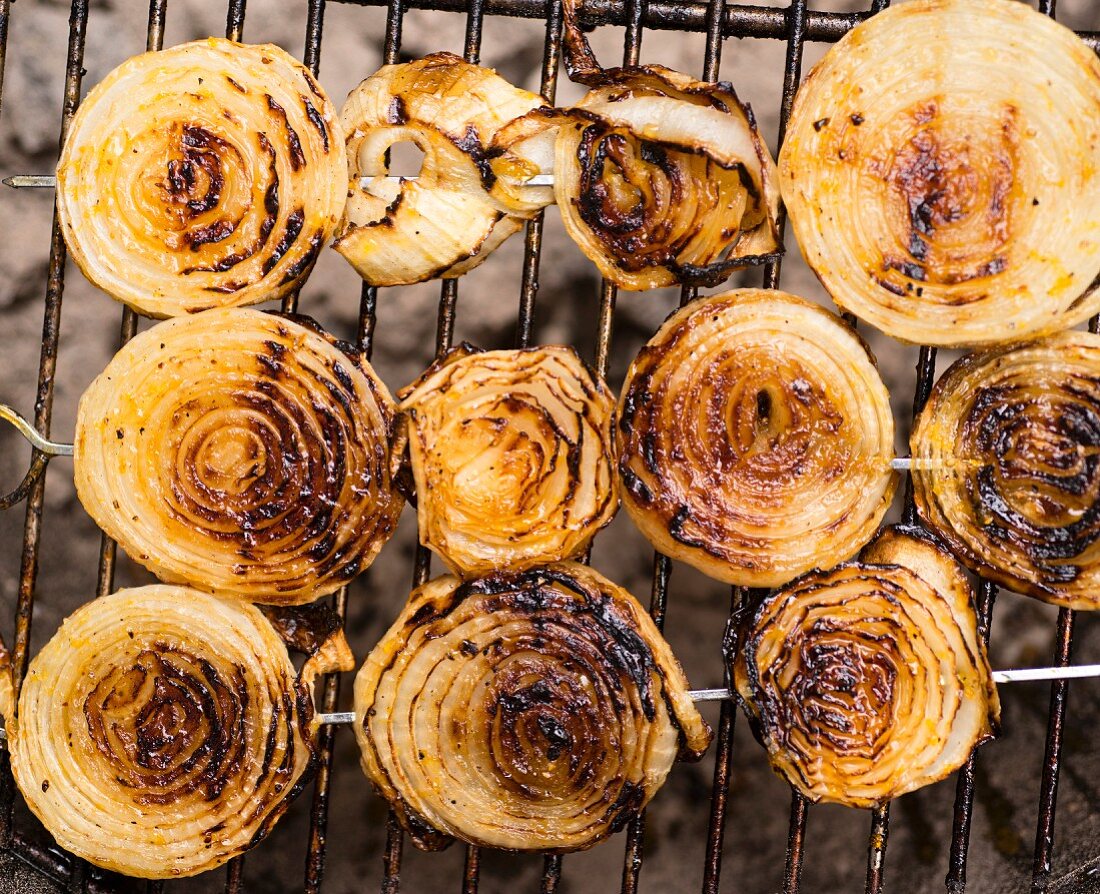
[[445, 222], [1009, 470], [755, 438], [662, 179], [206, 175], [241, 452], [512, 453], [538, 710], [163, 731], [942, 172], [868, 681]]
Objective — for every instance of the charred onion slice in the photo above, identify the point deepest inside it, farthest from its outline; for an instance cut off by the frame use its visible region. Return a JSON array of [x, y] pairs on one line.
[[512, 456], [538, 710], [207, 175], [945, 187], [755, 438], [662, 179], [163, 731], [868, 681], [1009, 466], [445, 222], [240, 452]]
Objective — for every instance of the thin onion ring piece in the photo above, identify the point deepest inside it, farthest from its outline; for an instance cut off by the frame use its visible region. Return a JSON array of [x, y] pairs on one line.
[[445, 222], [532, 711]]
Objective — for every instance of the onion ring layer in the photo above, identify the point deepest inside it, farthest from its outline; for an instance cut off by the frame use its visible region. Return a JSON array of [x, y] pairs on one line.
[[445, 222], [868, 681], [942, 172], [512, 452], [755, 438], [531, 711], [206, 175], [1009, 466], [241, 452]]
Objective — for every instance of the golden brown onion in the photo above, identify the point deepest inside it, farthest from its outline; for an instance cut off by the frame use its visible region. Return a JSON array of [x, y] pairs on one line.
[[512, 454], [207, 175], [1008, 468], [163, 731], [240, 452], [868, 681], [755, 438], [942, 172], [445, 222], [532, 711], [662, 179]]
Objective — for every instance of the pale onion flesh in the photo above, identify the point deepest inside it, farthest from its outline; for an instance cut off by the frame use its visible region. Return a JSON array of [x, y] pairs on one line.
[[755, 438], [512, 453], [942, 173], [868, 681], [241, 452], [163, 731], [538, 710], [446, 221], [662, 179], [1009, 471], [207, 175]]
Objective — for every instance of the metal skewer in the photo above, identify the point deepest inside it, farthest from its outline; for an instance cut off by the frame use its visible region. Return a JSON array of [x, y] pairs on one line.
[[48, 181]]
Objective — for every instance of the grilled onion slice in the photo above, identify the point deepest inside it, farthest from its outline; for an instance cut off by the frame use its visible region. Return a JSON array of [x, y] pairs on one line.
[[868, 681], [538, 710], [941, 172], [512, 454], [163, 731], [662, 179], [755, 438], [207, 175], [1009, 466], [240, 452], [445, 222]]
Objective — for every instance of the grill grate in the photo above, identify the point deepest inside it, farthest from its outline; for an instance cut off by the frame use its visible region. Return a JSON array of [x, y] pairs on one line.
[[796, 25]]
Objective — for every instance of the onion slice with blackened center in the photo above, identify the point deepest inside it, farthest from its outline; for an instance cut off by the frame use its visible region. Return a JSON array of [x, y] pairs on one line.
[[513, 457], [755, 438], [869, 680], [445, 222], [1008, 468], [538, 710], [241, 452], [163, 731], [207, 175], [942, 172]]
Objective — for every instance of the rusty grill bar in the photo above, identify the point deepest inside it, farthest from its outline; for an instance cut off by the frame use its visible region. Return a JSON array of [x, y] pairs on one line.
[[716, 19]]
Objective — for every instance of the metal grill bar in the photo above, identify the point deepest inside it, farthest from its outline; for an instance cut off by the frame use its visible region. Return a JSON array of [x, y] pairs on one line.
[[796, 25]]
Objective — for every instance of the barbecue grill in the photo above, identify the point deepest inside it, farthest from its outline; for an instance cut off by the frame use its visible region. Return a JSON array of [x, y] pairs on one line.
[[715, 20]]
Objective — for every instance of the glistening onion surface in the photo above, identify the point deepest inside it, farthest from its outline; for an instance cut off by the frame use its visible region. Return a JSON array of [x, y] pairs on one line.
[[207, 175], [531, 711], [942, 172], [869, 680], [241, 452], [512, 453], [1009, 444], [755, 438], [162, 731]]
